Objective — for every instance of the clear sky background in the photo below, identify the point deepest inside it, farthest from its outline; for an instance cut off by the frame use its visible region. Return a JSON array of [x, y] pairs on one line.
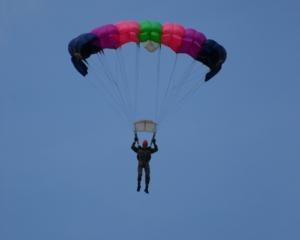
[[228, 164]]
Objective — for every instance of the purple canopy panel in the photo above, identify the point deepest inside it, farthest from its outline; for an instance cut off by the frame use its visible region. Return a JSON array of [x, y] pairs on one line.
[[192, 42], [108, 36]]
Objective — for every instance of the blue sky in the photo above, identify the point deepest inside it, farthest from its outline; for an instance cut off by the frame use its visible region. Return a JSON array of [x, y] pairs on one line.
[[228, 164]]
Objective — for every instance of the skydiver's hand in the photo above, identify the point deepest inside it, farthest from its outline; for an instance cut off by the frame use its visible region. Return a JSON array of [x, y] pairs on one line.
[[154, 140], [136, 139]]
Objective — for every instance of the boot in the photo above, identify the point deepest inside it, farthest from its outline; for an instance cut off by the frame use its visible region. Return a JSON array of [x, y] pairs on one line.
[[147, 181], [138, 188]]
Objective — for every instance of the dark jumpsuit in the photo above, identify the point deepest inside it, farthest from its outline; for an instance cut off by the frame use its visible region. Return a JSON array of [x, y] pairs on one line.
[[144, 157]]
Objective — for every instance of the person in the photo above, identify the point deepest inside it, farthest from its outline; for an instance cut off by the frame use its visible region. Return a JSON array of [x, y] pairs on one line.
[[144, 153]]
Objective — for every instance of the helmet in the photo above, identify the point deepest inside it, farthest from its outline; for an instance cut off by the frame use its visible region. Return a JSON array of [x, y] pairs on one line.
[[145, 143]]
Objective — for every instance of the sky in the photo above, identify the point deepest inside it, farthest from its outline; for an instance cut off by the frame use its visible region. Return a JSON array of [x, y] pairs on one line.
[[228, 160]]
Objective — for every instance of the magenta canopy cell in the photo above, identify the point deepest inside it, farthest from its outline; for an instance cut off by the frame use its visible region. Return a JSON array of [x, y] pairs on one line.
[[192, 42], [108, 36]]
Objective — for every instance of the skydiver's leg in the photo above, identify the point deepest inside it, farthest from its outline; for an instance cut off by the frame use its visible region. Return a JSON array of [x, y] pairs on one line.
[[147, 178], [139, 178]]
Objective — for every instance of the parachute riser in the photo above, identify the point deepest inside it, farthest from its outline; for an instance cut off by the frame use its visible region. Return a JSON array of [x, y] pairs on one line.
[[136, 138], [145, 126], [153, 137]]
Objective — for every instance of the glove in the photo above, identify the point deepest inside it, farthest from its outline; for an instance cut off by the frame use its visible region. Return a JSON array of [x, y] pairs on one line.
[[154, 140], [136, 139]]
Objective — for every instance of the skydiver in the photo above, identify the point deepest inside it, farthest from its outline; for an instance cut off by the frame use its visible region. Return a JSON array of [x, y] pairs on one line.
[[144, 156]]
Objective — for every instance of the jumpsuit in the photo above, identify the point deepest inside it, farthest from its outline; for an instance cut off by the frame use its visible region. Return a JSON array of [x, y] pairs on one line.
[[144, 157]]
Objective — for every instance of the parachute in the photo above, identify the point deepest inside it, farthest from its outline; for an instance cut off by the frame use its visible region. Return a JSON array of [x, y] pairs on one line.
[[152, 35]]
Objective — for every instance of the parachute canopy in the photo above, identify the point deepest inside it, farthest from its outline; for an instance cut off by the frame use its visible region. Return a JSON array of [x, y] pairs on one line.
[[159, 82], [151, 34]]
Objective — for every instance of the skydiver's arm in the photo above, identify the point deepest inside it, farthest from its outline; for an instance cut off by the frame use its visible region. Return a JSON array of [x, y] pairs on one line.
[[155, 149], [133, 147]]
